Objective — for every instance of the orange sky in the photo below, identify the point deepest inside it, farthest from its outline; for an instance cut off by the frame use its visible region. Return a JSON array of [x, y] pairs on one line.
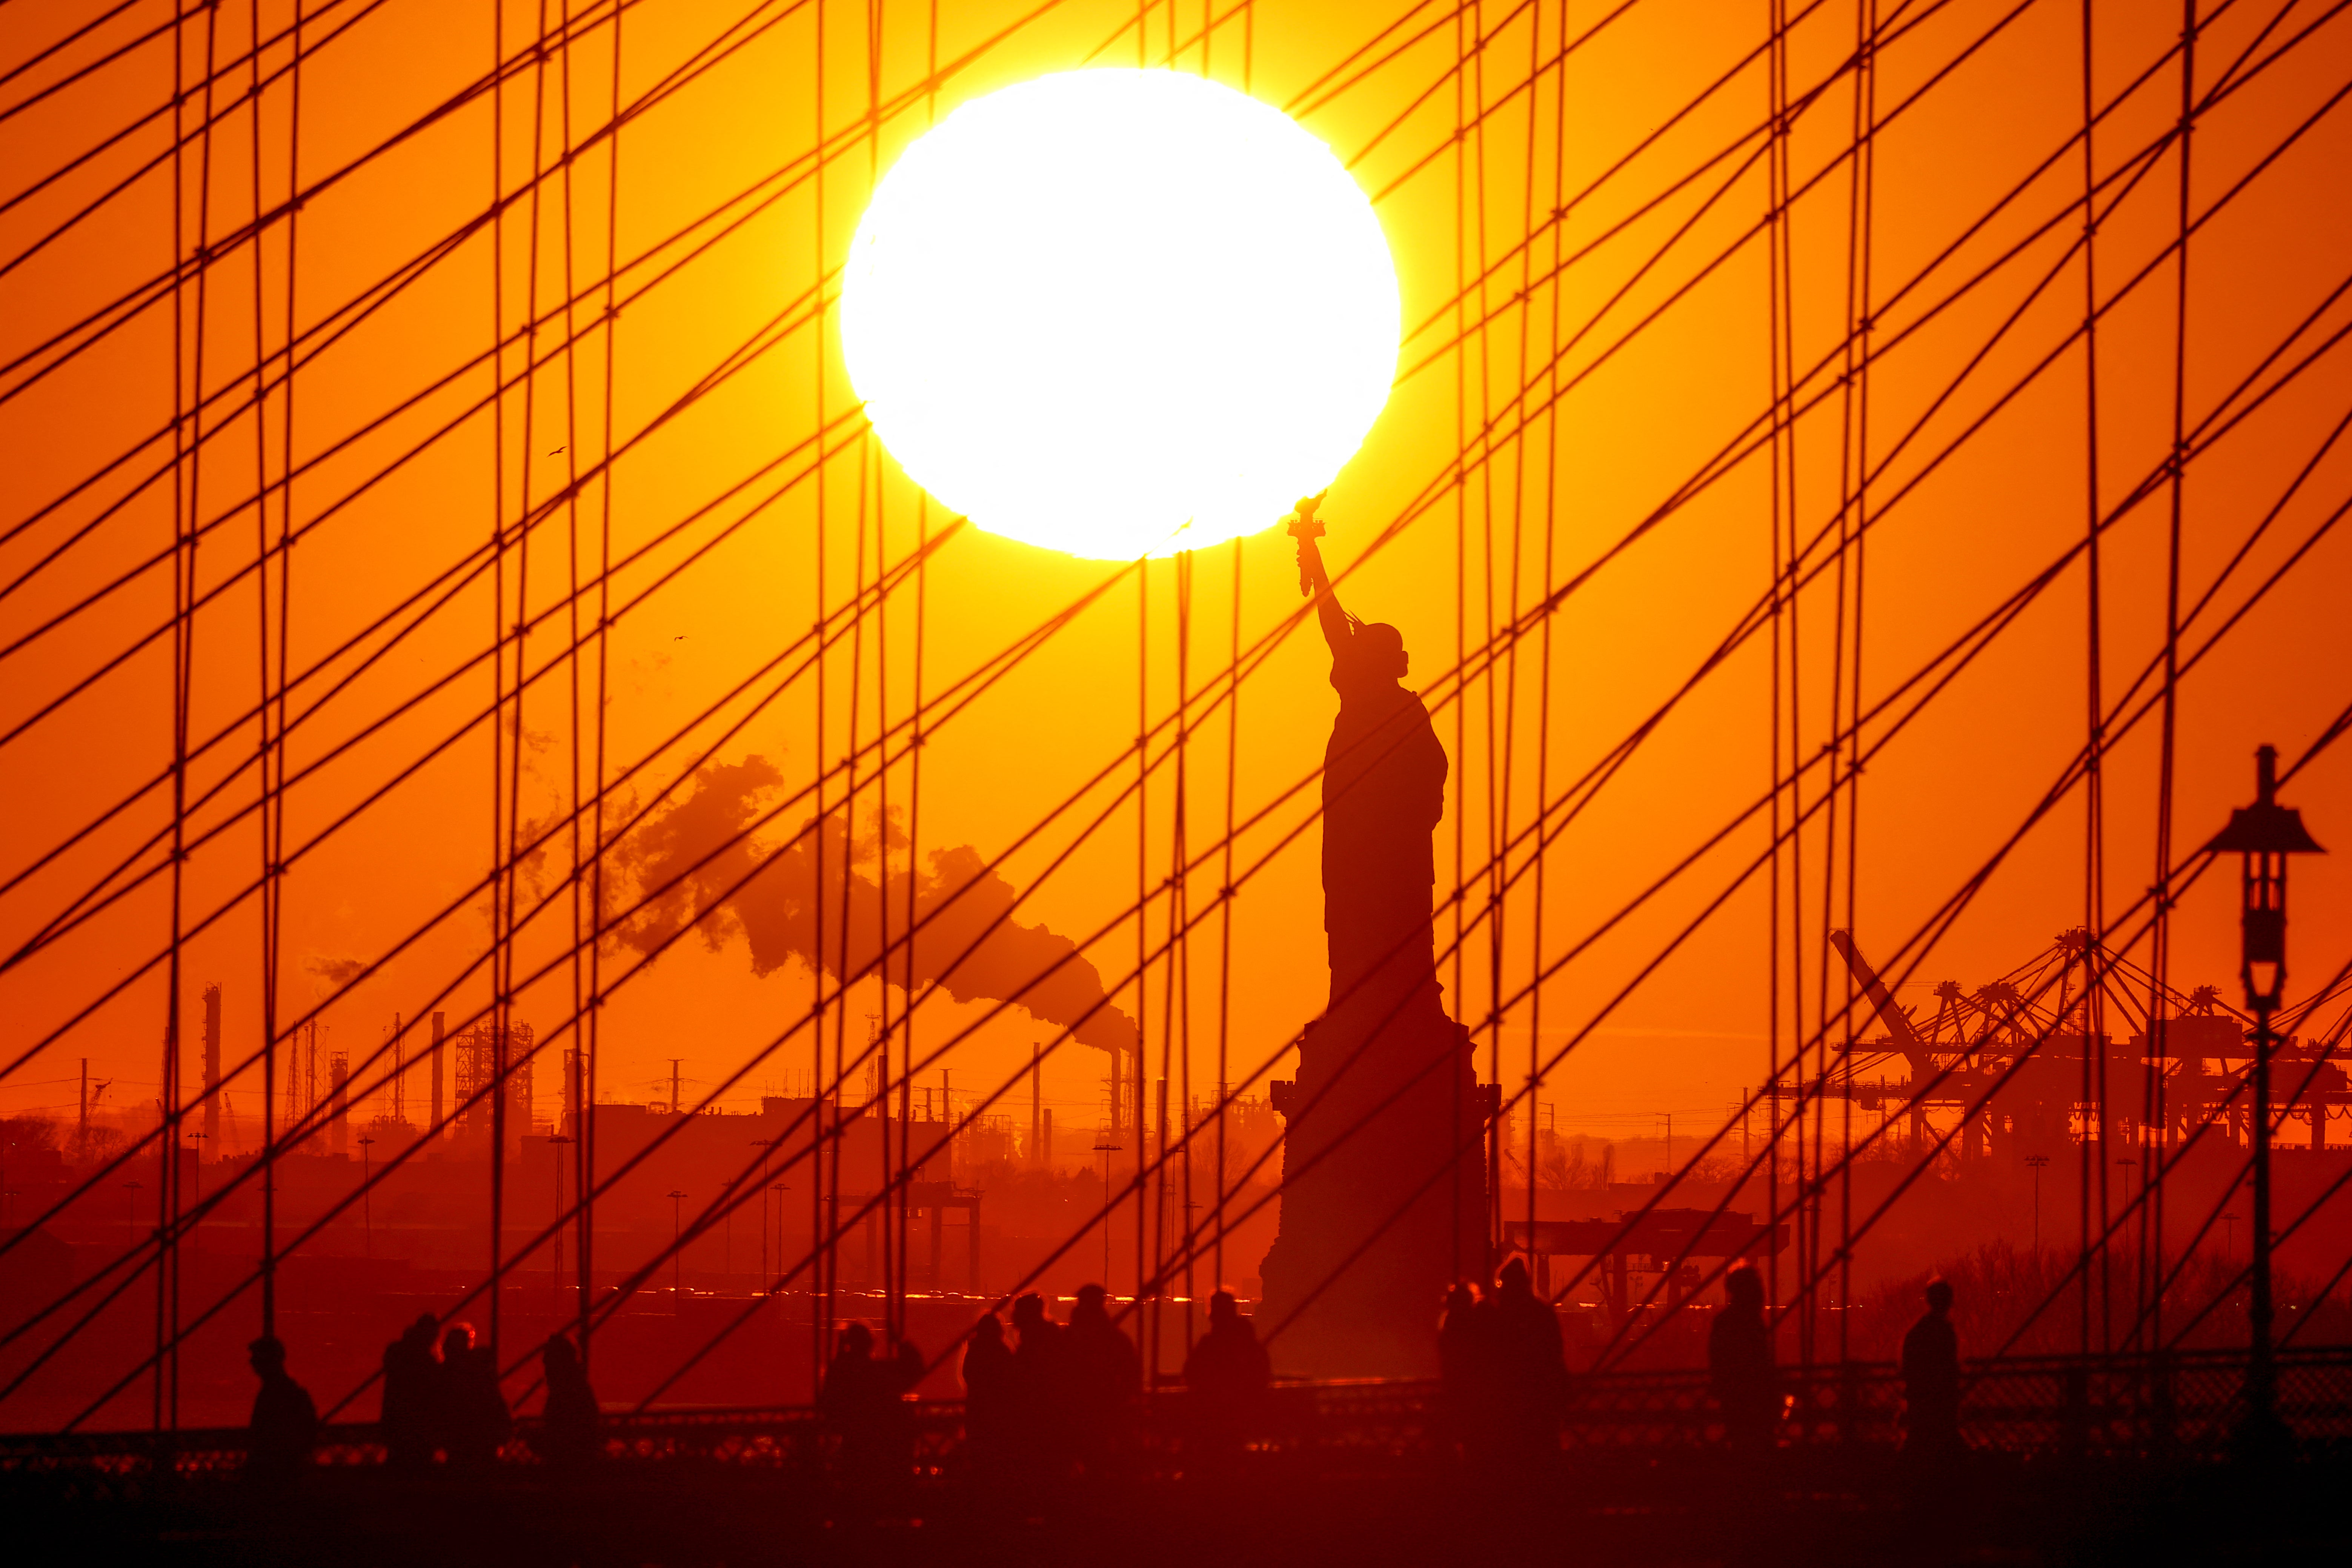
[[1634, 423]]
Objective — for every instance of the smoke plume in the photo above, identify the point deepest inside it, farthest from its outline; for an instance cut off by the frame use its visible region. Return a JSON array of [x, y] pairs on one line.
[[777, 910], [333, 973]]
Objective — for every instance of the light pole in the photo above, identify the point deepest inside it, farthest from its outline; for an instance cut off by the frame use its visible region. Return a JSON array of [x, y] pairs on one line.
[[2262, 836], [1106, 1148], [2036, 1161], [555, 1143], [780, 1189], [367, 1196], [676, 1250]]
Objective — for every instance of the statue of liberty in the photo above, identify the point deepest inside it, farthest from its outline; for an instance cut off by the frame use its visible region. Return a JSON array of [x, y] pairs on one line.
[[1384, 1202]]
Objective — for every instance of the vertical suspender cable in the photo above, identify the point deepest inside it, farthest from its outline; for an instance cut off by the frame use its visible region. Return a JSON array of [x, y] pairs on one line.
[[1779, 640], [1497, 792], [2160, 935], [1499, 822], [584, 1148], [583, 935], [914, 764], [272, 759], [1557, 226], [820, 1298], [1860, 226], [2093, 1078], [503, 1040], [893, 1314], [1461, 21], [1142, 897], [184, 593]]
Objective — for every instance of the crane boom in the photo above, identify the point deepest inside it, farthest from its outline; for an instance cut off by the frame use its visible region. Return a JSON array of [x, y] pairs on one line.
[[1898, 1022]]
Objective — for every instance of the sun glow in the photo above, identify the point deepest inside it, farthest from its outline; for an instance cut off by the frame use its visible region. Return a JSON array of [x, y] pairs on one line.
[[1120, 312]]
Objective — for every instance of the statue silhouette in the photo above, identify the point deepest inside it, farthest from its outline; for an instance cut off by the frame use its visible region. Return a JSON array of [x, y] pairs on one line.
[[1383, 794], [1384, 1191]]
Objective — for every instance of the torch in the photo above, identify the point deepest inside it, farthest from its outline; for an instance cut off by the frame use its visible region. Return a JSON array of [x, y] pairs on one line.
[[1304, 526]]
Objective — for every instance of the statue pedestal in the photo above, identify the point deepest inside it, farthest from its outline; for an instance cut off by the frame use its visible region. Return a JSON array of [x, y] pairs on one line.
[[1384, 1194]]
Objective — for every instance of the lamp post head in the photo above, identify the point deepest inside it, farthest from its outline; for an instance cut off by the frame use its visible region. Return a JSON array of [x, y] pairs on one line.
[[2263, 834], [2265, 827]]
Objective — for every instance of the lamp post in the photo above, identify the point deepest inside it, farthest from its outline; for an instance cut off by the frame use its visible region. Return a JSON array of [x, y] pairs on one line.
[[367, 1196], [677, 1251], [2035, 1162], [555, 1143], [1106, 1148], [2262, 836]]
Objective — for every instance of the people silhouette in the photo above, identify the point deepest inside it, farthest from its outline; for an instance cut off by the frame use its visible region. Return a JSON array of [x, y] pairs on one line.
[[1040, 1397], [1103, 1375], [1459, 1357], [1739, 1365], [411, 1372], [989, 1416], [285, 1425], [1226, 1373], [1931, 1379], [864, 1400], [1522, 1366], [568, 1419], [472, 1419]]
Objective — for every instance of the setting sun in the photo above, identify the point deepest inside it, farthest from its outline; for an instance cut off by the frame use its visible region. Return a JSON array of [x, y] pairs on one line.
[[1120, 312]]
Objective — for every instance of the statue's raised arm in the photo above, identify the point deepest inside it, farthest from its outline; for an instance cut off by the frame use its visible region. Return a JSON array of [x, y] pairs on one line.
[[1307, 529]]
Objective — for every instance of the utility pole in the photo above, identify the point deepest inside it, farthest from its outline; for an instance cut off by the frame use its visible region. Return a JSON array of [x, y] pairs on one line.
[[677, 1251], [555, 1220], [211, 1066], [367, 1196], [2036, 1161], [1107, 1145]]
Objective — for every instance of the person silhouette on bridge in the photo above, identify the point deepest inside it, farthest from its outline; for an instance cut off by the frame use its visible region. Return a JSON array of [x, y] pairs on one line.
[[1520, 1370], [1931, 1379], [991, 1416], [1039, 1389], [1383, 794], [411, 1374], [1103, 1376], [864, 1397], [1226, 1373], [470, 1412], [1458, 1358], [568, 1419], [285, 1426], [1739, 1365]]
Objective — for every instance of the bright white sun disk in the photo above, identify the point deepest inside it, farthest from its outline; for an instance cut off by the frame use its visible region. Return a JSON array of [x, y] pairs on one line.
[[1120, 312]]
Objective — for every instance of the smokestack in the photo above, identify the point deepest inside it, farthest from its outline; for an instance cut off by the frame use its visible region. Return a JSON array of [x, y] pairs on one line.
[[519, 1104], [436, 1072], [339, 1075], [1036, 1100], [212, 1069]]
